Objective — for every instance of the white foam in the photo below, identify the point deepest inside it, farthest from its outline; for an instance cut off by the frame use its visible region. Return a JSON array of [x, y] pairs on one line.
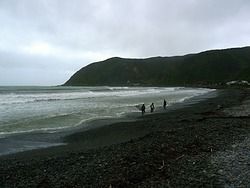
[[56, 109]]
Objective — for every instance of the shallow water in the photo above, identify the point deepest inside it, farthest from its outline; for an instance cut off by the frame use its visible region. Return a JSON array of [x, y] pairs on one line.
[[52, 109], [30, 116]]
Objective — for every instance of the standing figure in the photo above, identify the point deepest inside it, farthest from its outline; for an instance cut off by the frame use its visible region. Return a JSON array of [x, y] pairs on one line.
[[164, 104], [142, 109], [152, 107]]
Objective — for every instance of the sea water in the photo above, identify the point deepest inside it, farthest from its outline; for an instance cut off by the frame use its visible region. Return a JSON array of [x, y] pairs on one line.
[[28, 110]]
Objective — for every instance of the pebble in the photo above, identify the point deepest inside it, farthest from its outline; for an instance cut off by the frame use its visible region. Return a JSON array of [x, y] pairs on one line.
[[190, 153], [235, 164]]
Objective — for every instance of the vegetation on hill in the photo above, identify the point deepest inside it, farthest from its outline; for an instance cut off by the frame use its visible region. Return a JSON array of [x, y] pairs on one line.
[[205, 68]]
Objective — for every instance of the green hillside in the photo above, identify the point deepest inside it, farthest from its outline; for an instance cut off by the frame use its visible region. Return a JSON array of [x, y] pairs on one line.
[[210, 67]]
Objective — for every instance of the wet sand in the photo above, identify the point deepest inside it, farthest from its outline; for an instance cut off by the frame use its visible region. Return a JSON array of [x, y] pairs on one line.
[[179, 148]]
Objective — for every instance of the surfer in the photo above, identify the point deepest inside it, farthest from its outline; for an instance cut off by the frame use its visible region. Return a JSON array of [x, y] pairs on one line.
[[152, 107], [164, 104], [142, 109]]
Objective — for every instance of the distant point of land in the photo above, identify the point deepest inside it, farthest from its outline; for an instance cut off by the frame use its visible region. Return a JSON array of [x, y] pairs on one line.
[[214, 68]]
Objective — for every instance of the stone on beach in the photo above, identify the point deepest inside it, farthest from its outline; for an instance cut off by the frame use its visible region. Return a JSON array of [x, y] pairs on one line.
[[196, 146]]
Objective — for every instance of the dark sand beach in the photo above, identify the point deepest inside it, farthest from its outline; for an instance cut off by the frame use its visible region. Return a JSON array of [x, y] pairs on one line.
[[202, 145]]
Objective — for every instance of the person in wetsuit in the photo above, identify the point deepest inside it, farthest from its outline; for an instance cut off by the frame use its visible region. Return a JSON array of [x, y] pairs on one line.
[[164, 104], [142, 109], [152, 107]]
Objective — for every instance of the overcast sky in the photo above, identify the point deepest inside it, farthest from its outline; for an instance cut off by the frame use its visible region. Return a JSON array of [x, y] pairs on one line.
[[44, 42]]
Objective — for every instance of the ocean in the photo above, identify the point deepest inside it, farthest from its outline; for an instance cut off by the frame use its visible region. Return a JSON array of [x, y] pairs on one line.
[[44, 110]]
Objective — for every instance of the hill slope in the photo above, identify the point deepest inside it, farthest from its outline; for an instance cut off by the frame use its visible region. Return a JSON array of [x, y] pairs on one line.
[[208, 67]]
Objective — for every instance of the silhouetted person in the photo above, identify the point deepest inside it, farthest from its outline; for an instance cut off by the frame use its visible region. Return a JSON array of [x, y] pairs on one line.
[[152, 107], [142, 109], [164, 104]]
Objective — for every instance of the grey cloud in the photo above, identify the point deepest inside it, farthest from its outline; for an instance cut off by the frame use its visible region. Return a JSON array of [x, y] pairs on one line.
[[19, 69], [96, 29]]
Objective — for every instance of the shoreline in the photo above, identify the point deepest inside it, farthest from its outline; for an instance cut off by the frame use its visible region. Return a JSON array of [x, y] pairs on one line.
[[35, 141], [171, 149]]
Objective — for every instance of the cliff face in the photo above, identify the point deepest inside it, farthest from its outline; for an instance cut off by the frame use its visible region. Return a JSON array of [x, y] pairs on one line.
[[210, 67]]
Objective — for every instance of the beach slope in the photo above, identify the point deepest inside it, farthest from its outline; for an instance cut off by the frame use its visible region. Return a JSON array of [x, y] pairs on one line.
[[201, 145]]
